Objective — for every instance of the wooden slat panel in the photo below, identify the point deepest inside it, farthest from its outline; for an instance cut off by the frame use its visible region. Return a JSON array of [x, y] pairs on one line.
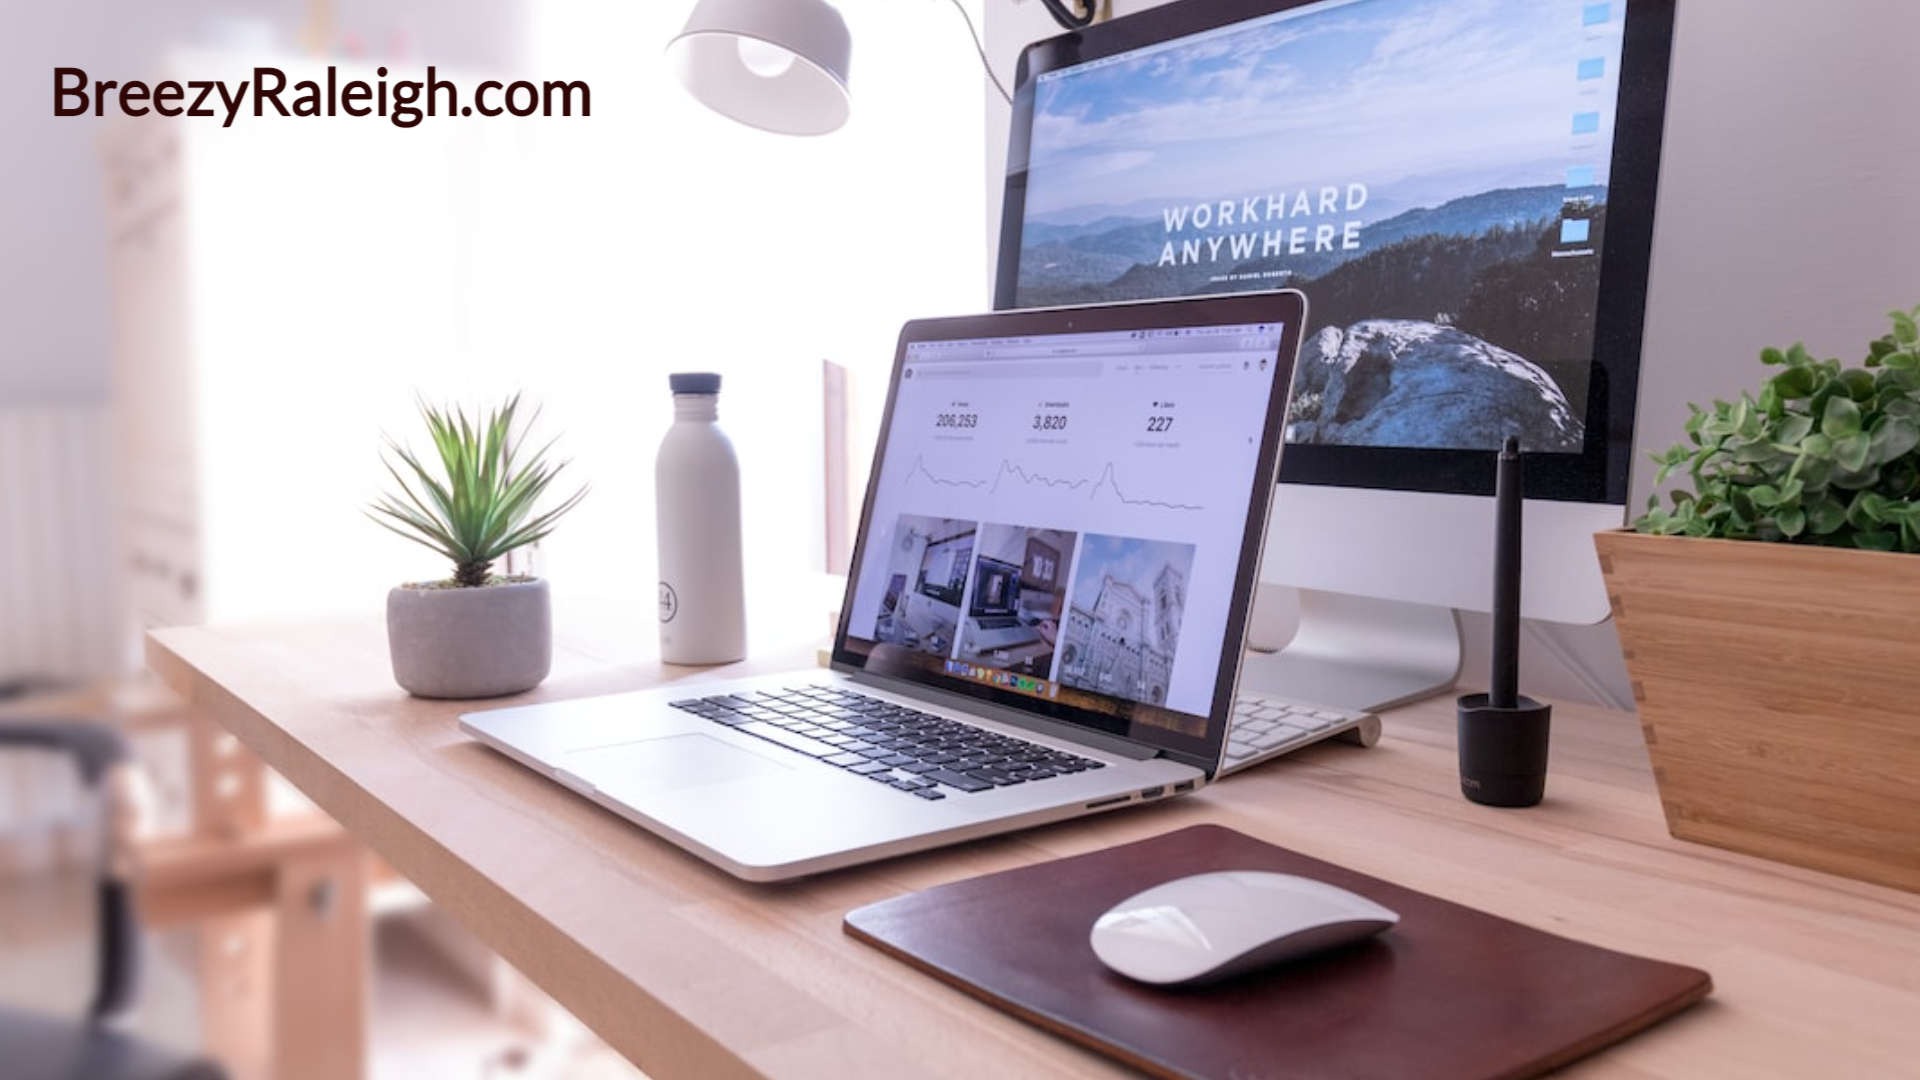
[[57, 613], [1780, 691]]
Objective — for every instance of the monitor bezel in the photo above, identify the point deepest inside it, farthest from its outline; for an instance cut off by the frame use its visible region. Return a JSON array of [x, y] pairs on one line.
[[1286, 307], [1600, 472]]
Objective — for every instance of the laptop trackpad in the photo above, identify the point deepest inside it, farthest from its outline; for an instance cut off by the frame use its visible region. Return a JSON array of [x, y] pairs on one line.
[[676, 761]]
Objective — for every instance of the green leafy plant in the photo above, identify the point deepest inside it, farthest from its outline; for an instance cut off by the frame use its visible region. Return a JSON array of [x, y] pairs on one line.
[[482, 506], [1825, 455]]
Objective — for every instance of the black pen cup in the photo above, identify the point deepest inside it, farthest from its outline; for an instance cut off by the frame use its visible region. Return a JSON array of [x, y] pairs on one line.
[[1503, 752]]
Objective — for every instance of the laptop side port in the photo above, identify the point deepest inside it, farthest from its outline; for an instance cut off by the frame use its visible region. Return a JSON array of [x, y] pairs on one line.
[[1153, 792], [1104, 803], [1182, 787]]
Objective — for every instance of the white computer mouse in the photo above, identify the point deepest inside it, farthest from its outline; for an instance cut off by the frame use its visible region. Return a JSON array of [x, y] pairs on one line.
[[1211, 926]]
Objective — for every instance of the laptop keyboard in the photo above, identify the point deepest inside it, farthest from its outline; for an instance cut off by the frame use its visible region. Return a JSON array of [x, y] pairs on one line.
[[924, 755]]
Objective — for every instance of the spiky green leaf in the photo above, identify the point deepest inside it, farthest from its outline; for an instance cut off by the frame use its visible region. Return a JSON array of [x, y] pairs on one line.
[[482, 502]]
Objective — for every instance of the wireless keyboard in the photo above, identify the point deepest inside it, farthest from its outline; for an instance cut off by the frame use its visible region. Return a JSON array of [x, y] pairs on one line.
[[1266, 727]]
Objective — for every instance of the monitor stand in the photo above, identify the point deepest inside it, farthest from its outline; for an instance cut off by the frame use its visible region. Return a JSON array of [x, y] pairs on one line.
[[1357, 652]]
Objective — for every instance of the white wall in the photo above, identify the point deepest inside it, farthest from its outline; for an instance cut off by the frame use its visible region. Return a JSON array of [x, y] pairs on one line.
[[53, 276], [579, 260], [654, 236], [1787, 211], [55, 314]]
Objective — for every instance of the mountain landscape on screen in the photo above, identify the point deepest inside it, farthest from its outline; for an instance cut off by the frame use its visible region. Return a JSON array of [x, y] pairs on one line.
[[1409, 164]]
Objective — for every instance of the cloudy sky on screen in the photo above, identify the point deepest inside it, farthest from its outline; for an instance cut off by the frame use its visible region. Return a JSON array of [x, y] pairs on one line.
[[1422, 100]]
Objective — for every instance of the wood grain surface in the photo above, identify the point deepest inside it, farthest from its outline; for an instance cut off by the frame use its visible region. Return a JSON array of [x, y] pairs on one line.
[[1779, 686]]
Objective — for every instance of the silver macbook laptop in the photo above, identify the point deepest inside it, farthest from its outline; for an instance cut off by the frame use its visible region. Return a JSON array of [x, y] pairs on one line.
[[1044, 619]]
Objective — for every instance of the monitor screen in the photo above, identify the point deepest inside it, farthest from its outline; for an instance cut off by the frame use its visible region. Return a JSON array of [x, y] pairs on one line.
[[1065, 518], [996, 588], [1436, 176]]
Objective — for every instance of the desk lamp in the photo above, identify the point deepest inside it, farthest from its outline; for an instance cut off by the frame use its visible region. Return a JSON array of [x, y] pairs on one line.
[[781, 65]]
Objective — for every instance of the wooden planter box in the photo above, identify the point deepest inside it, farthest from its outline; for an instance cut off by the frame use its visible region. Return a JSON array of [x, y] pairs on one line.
[[1779, 692]]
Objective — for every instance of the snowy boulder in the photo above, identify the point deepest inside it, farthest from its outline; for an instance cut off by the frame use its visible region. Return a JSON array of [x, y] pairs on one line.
[[1401, 382]]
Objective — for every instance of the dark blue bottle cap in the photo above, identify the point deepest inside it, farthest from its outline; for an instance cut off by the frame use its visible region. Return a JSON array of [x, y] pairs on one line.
[[694, 382]]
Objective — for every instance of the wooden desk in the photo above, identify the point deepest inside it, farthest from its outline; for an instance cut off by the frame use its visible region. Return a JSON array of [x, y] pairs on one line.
[[692, 974]]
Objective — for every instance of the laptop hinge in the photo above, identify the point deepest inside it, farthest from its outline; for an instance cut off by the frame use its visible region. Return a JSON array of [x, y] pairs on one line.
[[1039, 725]]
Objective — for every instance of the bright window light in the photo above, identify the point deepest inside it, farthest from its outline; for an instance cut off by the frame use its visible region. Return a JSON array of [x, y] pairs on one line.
[[338, 269]]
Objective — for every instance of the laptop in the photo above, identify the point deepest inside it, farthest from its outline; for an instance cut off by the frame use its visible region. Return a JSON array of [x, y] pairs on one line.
[[1048, 599]]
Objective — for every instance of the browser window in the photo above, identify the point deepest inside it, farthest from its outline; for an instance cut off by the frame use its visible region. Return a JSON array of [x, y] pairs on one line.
[[1062, 516]]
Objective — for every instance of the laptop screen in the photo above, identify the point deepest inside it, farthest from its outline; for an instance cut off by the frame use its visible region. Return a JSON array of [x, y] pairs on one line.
[[1063, 518]]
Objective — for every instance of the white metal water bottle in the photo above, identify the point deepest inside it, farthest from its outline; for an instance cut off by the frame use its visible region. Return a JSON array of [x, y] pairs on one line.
[[703, 606]]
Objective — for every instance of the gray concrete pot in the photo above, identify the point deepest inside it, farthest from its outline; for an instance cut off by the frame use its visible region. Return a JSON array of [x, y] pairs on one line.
[[470, 643]]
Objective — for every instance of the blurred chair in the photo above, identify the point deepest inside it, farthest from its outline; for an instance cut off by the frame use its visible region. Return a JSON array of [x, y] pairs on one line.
[[34, 1047]]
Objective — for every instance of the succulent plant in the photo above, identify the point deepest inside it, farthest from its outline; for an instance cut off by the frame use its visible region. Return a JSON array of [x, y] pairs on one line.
[[482, 505], [1826, 454]]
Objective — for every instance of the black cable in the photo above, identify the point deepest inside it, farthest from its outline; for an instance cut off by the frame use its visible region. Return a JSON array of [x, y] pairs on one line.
[[981, 48], [1070, 18]]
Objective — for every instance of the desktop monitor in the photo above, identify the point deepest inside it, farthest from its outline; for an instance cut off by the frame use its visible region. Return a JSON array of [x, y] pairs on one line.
[[996, 588], [1464, 192]]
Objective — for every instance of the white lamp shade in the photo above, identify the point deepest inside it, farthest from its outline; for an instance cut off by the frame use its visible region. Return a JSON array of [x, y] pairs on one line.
[[778, 65]]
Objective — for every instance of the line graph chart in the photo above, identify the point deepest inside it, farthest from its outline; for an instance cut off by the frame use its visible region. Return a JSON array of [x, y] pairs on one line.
[[1009, 471]]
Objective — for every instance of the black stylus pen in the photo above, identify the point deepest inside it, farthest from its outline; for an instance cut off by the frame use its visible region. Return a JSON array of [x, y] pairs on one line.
[[1503, 690]]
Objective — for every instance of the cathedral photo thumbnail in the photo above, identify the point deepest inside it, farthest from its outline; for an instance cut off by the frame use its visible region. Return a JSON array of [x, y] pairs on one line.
[[1123, 625]]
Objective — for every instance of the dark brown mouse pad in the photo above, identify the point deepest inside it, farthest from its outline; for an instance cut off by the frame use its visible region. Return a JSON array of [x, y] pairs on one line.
[[1448, 993]]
